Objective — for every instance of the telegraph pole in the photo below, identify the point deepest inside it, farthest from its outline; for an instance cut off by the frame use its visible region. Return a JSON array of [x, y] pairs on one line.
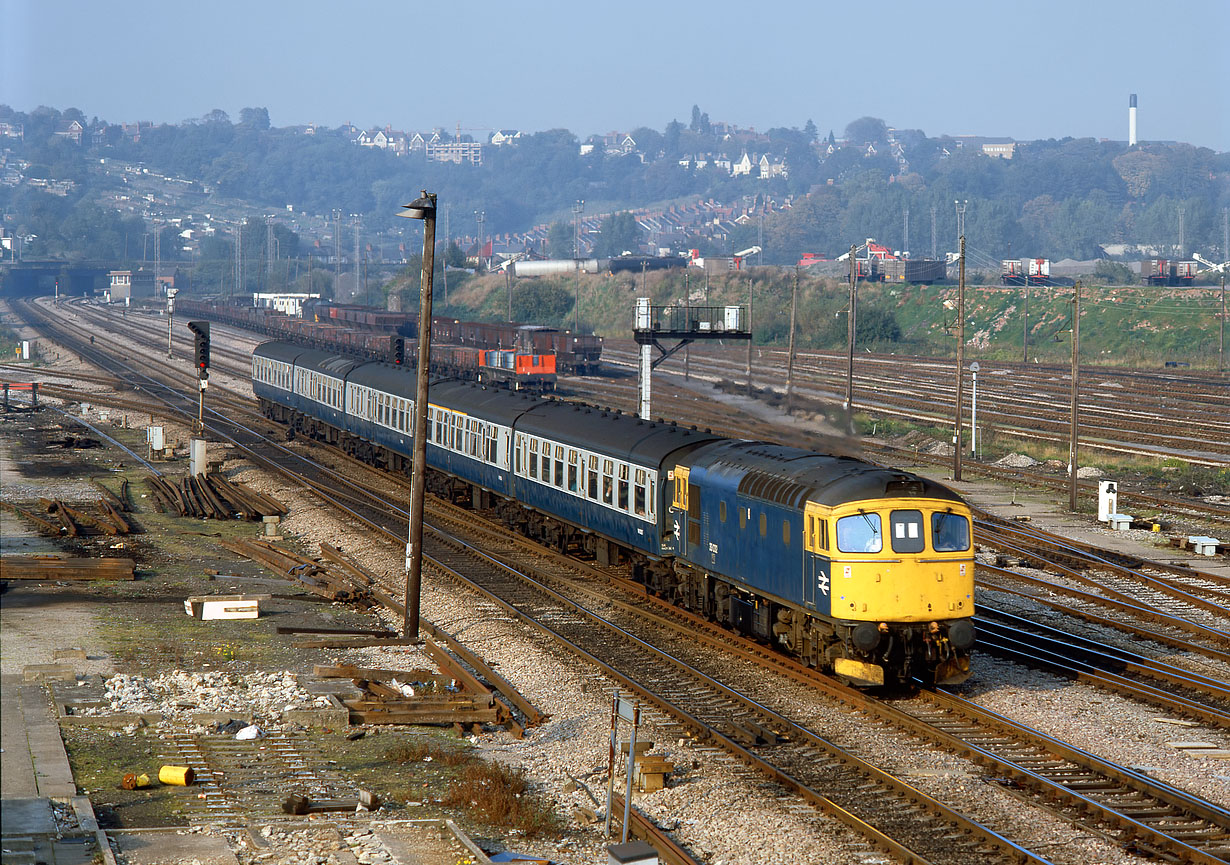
[[1182, 213], [934, 248], [1025, 324], [794, 302], [1076, 349], [577, 210], [356, 220], [956, 437], [269, 253], [1221, 334], [905, 243], [687, 309], [157, 258], [850, 327], [750, 341], [961, 205], [480, 216], [337, 261], [239, 256]]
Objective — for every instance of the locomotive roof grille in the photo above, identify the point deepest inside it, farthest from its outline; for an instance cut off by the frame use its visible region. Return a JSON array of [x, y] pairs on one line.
[[902, 485]]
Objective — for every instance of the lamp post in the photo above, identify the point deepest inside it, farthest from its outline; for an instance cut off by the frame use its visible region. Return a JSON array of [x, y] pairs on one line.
[[973, 416], [423, 208], [956, 436], [851, 329]]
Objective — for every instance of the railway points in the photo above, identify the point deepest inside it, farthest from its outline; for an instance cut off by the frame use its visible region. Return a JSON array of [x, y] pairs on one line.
[[1065, 710]]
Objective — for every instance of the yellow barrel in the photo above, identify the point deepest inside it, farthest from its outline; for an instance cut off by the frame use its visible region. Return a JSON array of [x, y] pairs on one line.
[[179, 776]]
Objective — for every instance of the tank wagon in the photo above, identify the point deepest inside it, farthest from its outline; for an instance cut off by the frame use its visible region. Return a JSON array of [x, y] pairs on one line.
[[857, 569]]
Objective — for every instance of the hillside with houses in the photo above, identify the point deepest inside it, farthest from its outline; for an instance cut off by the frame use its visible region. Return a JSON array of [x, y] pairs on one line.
[[68, 183]]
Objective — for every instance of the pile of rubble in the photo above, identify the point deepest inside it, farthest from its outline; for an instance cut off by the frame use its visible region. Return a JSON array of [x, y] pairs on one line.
[[179, 694], [1017, 461]]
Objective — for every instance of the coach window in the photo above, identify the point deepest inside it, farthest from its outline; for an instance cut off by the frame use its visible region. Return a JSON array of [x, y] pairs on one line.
[[534, 458], [623, 488], [572, 471], [559, 466], [593, 477], [520, 449], [476, 437], [638, 496], [949, 532], [859, 533], [907, 531], [493, 445], [608, 482]]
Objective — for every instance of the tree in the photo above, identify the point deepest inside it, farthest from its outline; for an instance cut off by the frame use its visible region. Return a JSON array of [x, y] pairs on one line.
[[695, 124], [619, 234], [559, 241], [257, 118], [810, 130], [453, 256], [866, 130], [1110, 272]]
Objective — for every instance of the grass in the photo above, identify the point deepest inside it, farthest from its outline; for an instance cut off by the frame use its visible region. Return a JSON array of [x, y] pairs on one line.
[[500, 796], [100, 758]]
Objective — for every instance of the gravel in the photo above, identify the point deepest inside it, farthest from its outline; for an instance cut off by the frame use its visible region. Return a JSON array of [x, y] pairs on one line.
[[721, 810]]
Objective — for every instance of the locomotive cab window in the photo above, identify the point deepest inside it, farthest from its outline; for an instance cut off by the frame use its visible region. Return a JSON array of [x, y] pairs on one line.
[[907, 531], [859, 533], [949, 532]]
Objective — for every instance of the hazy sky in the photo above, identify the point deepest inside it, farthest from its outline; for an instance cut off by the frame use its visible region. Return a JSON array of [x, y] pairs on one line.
[[1051, 68]]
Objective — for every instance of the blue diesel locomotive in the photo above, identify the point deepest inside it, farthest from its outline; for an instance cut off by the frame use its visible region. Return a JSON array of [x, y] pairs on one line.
[[864, 571]]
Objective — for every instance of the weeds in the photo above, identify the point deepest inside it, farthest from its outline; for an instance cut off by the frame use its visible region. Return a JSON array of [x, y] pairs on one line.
[[500, 796], [420, 751]]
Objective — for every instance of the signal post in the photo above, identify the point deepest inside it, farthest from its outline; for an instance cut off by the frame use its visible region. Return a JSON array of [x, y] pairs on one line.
[[200, 350], [687, 324]]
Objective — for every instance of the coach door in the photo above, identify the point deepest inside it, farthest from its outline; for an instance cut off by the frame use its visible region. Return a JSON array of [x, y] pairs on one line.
[[687, 513], [816, 564]]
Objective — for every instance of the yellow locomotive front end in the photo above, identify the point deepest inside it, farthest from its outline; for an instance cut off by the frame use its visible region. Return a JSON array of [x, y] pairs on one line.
[[901, 588]]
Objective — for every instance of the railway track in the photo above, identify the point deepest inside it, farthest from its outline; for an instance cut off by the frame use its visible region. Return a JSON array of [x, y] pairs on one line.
[[751, 720], [1120, 410]]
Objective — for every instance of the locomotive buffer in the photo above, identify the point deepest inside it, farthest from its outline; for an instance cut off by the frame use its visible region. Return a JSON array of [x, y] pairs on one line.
[[686, 324]]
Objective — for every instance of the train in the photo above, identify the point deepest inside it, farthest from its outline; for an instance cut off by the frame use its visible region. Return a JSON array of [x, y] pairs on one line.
[[863, 571], [575, 353], [376, 337]]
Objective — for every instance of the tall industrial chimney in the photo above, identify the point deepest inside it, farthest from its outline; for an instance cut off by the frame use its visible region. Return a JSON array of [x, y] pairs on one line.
[[1132, 120]]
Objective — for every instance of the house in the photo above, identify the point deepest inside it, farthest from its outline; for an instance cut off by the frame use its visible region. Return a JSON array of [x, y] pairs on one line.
[[421, 140], [504, 136], [1004, 150], [72, 130], [12, 130], [771, 168], [743, 167]]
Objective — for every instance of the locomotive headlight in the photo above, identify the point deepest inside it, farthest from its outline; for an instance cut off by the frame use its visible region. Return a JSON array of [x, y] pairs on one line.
[[961, 634], [865, 637]]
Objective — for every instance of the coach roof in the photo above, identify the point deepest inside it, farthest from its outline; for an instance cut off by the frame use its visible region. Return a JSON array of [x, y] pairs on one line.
[[625, 437]]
